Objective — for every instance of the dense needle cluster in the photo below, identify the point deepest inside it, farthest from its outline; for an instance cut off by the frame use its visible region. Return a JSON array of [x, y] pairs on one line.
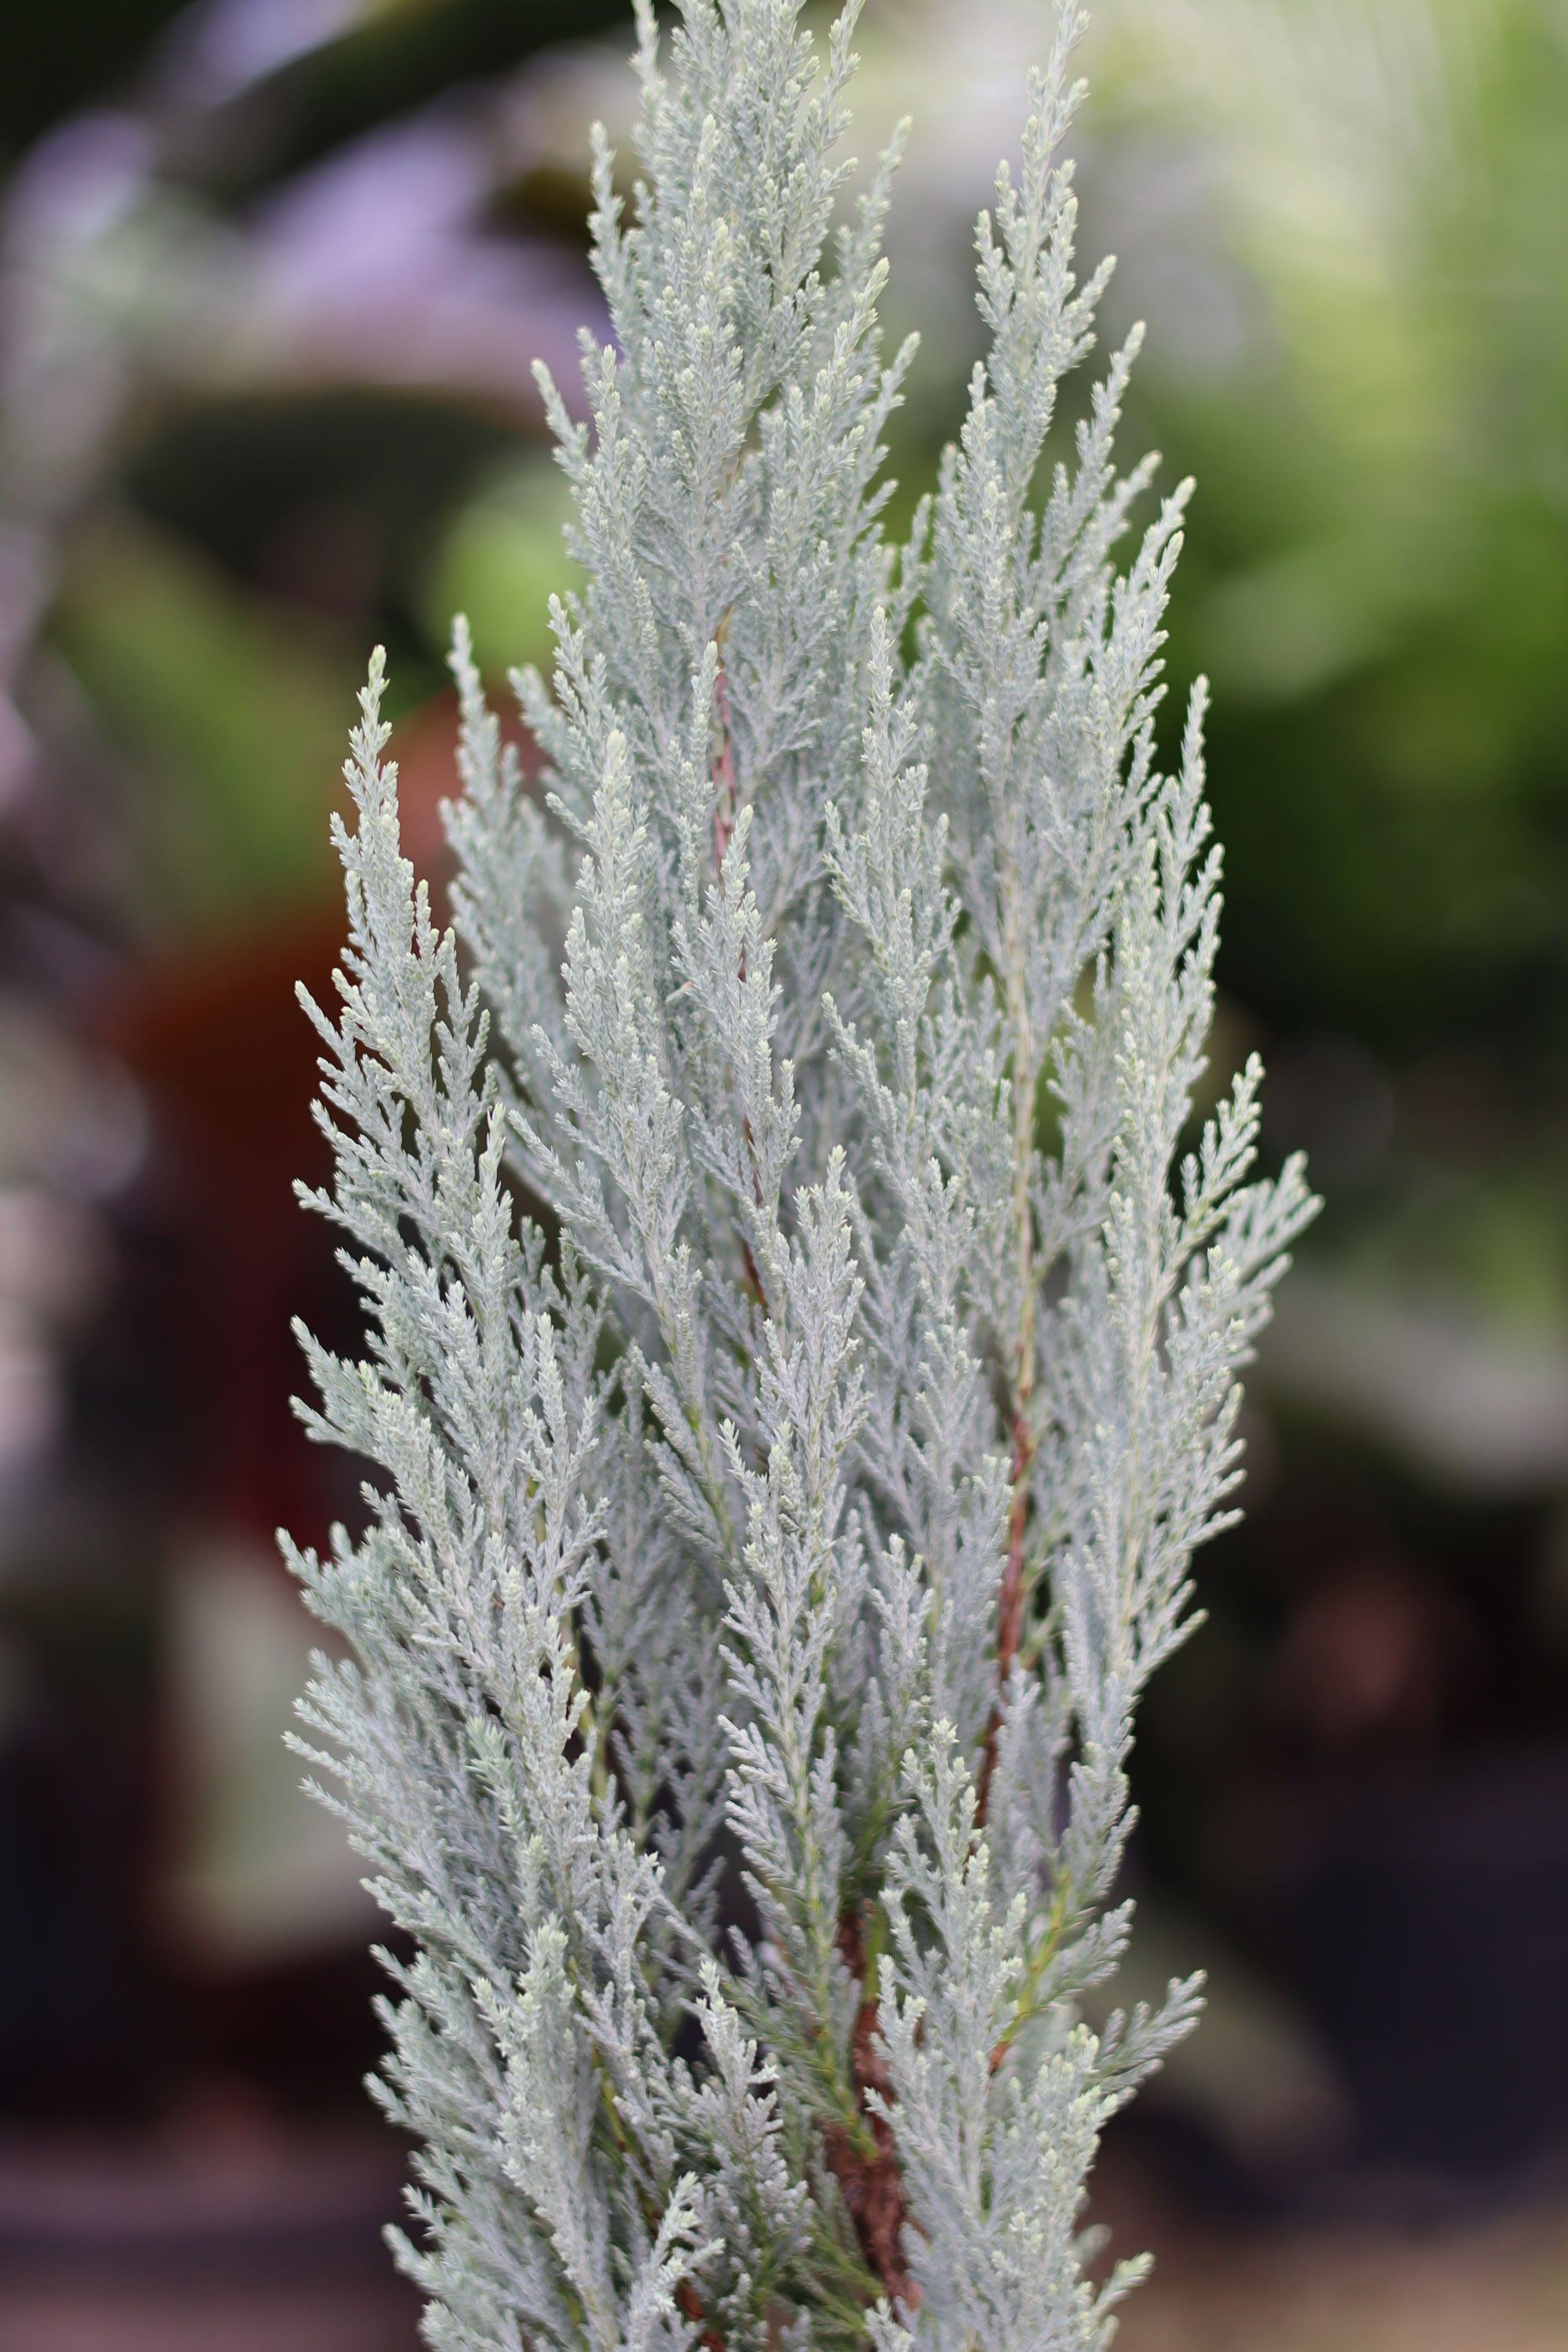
[[801, 1358]]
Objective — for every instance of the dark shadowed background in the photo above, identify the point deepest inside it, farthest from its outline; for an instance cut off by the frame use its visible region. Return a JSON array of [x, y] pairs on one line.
[[272, 273]]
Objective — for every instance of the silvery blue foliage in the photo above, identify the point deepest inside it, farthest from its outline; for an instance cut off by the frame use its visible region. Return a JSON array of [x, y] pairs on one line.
[[802, 1348]]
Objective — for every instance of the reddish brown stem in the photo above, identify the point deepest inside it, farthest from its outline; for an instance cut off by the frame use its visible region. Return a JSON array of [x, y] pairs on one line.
[[1009, 1610], [726, 787], [690, 2303], [1013, 1599], [726, 800], [871, 2182]]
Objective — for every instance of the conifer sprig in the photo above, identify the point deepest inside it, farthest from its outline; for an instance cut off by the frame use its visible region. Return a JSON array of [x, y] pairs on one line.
[[803, 1320]]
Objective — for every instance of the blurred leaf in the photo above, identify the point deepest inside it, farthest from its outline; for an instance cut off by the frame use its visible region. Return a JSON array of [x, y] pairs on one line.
[[238, 717], [58, 59], [1382, 469], [500, 560]]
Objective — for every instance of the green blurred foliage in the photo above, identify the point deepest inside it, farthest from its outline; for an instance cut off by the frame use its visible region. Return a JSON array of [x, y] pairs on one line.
[[1378, 575], [233, 719], [500, 560]]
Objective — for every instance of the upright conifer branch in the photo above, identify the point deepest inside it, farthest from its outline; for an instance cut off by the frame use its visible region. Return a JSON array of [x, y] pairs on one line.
[[769, 1547]]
